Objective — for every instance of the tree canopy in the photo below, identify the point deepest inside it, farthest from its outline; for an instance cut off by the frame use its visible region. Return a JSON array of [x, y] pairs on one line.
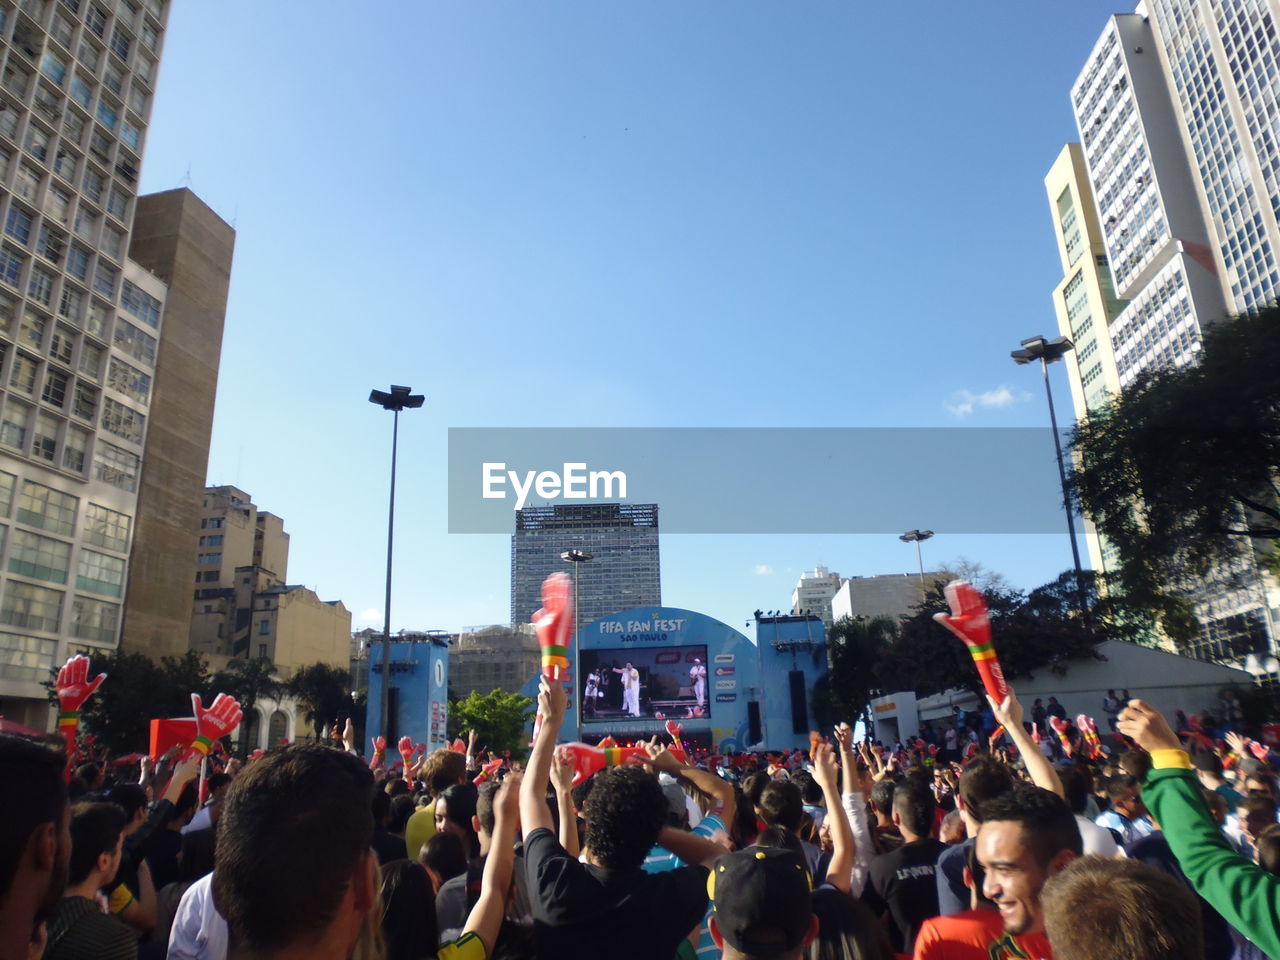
[[323, 693], [501, 720], [1179, 471]]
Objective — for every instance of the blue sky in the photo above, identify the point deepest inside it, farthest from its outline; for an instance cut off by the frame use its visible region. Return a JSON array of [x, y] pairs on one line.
[[603, 214]]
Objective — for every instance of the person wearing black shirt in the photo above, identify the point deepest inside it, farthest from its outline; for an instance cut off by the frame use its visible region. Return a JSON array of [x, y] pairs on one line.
[[902, 885], [608, 903]]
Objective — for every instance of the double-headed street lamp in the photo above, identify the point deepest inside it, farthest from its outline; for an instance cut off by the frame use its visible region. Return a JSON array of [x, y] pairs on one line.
[[577, 558], [398, 399], [917, 537], [1047, 352]]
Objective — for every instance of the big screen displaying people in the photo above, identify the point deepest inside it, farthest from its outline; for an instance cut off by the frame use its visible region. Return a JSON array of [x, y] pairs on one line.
[[649, 683]]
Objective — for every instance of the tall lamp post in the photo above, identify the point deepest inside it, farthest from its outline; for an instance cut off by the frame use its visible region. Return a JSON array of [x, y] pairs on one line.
[[917, 537], [1047, 352], [577, 558], [398, 399]]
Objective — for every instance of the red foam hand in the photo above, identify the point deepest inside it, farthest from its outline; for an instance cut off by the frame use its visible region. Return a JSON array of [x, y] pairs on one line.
[[995, 737], [970, 622], [1035, 733], [1059, 727], [379, 744], [933, 749], [405, 747], [607, 741], [674, 730], [457, 746], [420, 748], [74, 687], [214, 721], [1258, 750], [554, 625], [488, 771], [257, 754], [587, 759], [1089, 730]]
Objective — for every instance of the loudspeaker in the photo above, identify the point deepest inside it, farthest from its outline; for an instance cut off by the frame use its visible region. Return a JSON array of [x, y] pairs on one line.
[[799, 702], [753, 722]]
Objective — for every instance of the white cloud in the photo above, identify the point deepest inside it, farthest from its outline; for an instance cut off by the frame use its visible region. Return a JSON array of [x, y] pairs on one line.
[[370, 616], [963, 403], [763, 570]]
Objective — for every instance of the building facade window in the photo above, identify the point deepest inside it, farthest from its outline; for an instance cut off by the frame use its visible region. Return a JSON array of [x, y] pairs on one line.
[[140, 304], [129, 380], [100, 573], [41, 558], [115, 466], [30, 607], [94, 619], [107, 528], [15, 424], [46, 508], [122, 421]]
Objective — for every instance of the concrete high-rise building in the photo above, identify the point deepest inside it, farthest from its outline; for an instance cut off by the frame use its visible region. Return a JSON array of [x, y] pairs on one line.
[[622, 539], [80, 325], [244, 608], [178, 238], [813, 593], [1176, 108], [892, 595], [1084, 301]]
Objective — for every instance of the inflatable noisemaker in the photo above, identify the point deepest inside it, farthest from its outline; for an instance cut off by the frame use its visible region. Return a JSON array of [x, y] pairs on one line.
[[587, 759], [379, 753], [212, 724], [405, 746], [553, 624], [488, 771], [673, 730], [815, 738], [607, 741], [1035, 733], [1089, 731], [74, 687], [970, 622], [1059, 726]]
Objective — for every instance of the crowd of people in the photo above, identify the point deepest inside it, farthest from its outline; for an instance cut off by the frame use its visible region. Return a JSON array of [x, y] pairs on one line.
[[1164, 845]]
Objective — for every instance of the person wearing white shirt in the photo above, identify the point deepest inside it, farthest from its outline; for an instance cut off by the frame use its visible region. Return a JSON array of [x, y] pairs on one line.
[[199, 932]]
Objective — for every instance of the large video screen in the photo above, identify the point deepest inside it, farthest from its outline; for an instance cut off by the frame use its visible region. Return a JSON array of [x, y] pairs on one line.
[[650, 683]]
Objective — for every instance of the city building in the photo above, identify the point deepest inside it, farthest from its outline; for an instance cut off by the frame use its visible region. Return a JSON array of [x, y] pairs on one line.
[[79, 328], [622, 539], [484, 659], [1176, 110], [813, 593], [892, 595], [244, 607], [1084, 301], [179, 239]]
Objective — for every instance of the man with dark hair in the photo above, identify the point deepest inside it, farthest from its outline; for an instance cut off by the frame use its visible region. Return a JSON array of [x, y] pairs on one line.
[[294, 873], [782, 805], [1127, 816], [78, 929], [1098, 908], [1208, 767], [983, 779], [886, 835], [902, 885], [1027, 835], [35, 840], [609, 902], [1098, 841]]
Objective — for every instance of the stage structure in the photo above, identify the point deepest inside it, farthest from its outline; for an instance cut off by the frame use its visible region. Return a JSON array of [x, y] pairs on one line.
[[417, 694], [640, 667]]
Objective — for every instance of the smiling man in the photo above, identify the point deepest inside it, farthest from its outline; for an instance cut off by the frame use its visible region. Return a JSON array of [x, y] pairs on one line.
[[1027, 835]]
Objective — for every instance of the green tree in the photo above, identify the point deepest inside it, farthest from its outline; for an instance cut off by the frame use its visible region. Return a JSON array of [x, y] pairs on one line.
[[248, 681], [1179, 471], [501, 720], [855, 651], [323, 692]]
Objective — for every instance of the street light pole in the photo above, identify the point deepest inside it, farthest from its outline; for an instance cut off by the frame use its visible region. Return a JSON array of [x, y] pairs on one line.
[[398, 399], [1047, 352], [577, 558], [917, 537]]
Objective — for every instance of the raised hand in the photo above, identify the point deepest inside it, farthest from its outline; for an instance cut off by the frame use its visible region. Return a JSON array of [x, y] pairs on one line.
[[215, 721], [74, 687], [1143, 723], [970, 622]]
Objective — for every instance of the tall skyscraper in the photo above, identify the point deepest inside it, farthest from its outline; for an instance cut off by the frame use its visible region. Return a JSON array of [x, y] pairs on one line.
[[622, 539], [1176, 108], [79, 327]]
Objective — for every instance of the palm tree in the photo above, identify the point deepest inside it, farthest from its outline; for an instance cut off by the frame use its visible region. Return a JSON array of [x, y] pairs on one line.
[[323, 692]]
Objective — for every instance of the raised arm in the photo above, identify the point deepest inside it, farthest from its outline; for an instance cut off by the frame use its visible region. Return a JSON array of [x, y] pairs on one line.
[[662, 760], [827, 774], [562, 780], [853, 799], [552, 699], [690, 847], [1009, 715], [485, 917]]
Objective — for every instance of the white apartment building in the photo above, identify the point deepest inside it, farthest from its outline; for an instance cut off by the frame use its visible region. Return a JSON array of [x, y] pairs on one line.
[[813, 593], [79, 327]]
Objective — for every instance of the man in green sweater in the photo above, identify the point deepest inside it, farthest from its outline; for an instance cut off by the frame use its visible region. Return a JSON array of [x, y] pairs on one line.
[[1244, 894]]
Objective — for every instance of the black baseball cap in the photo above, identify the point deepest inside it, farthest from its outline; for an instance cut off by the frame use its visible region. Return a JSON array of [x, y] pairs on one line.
[[761, 900]]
